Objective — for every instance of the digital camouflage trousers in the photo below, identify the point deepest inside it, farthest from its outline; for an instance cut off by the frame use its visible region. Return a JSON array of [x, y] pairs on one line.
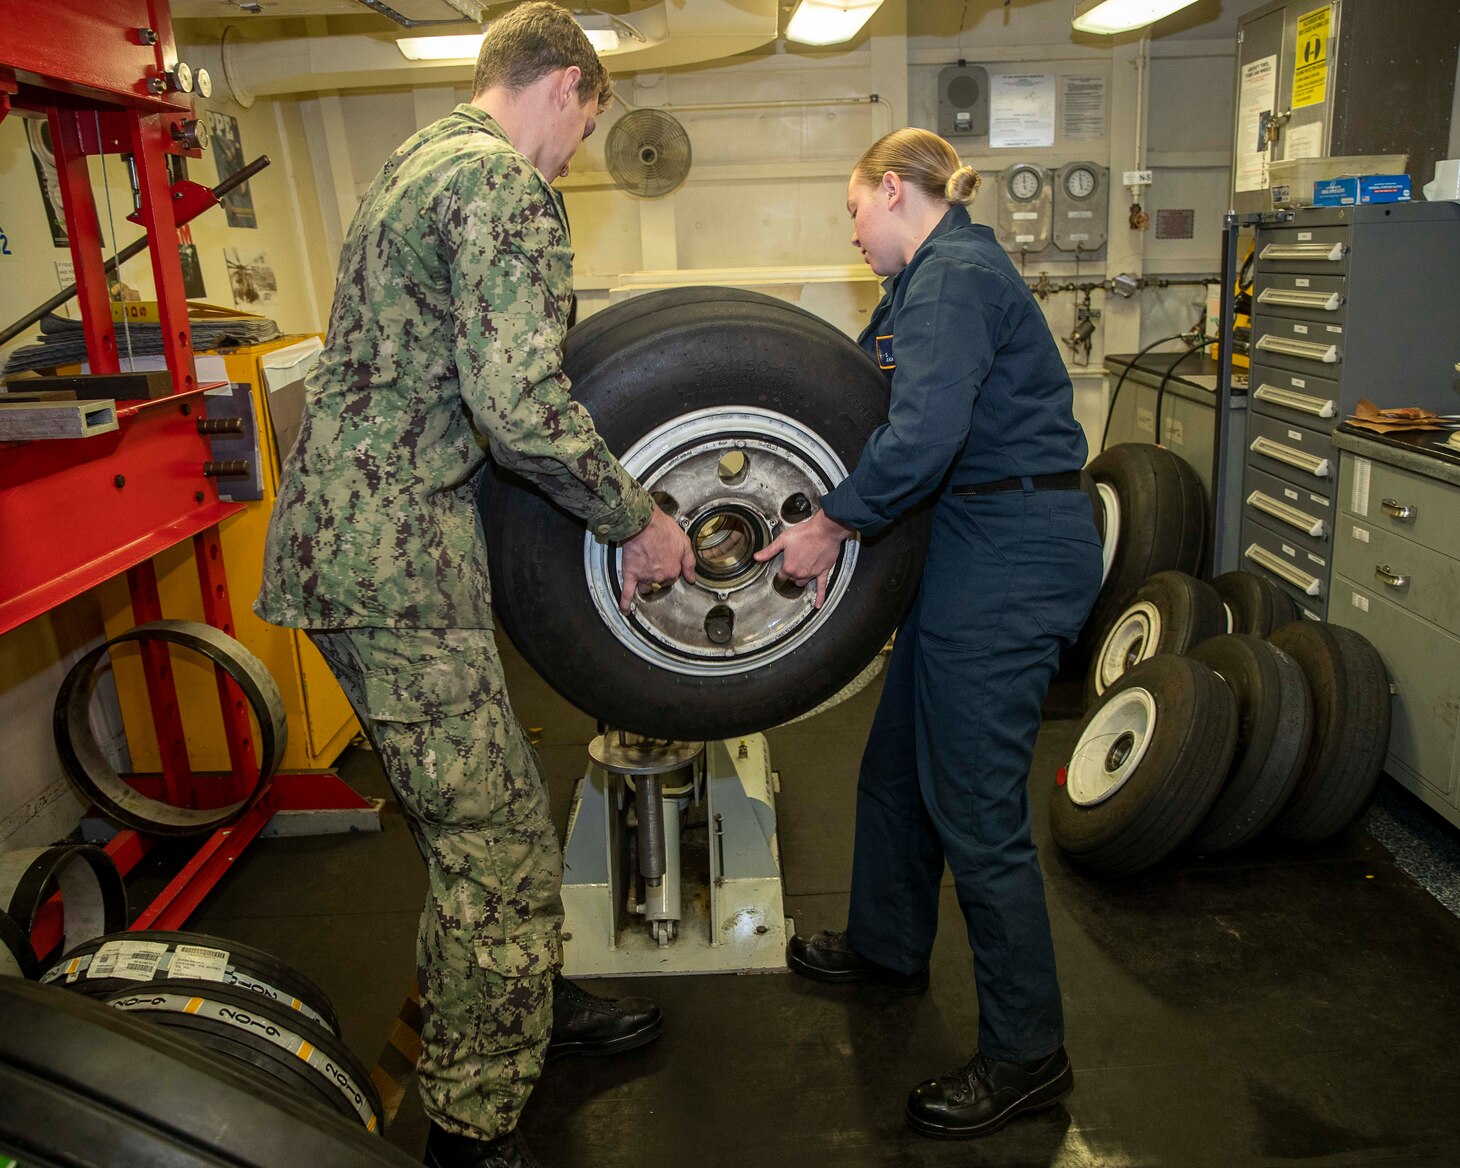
[[434, 705]]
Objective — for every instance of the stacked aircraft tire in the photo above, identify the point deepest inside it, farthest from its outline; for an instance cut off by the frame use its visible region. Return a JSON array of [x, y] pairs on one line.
[[1208, 742], [245, 1009], [82, 1083]]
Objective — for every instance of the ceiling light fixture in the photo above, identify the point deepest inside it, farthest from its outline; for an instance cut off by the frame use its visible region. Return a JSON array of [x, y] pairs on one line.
[[829, 22], [462, 47], [605, 32], [1112, 16]]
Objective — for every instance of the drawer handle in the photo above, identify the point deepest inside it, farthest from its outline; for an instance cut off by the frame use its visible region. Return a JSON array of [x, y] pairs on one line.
[[1311, 463], [1396, 510], [1326, 252], [1307, 524], [1319, 407], [1391, 579], [1307, 350], [1274, 563], [1296, 298]]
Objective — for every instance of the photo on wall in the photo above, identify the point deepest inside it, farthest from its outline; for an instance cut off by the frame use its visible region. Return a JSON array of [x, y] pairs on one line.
[[227, 148], [253, 281]]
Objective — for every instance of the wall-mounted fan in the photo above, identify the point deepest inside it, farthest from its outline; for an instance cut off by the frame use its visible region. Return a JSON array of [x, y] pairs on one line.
[[648, 153]]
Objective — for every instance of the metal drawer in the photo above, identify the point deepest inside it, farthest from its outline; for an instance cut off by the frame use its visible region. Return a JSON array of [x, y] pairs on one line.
[[1302, 574], [1422, 509], [1298, 344], [1415, 578], [1291, 452], [1422, 734], [1309, 401], [1304, 250], [1304, 516], [1314, 298]]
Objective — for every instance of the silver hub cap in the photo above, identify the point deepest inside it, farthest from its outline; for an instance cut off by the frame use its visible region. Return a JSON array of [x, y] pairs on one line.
[[1133, 639], [1111, 747], [733, 479]]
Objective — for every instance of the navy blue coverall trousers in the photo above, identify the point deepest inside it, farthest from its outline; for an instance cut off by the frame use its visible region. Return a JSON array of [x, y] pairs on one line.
[[979, 396]]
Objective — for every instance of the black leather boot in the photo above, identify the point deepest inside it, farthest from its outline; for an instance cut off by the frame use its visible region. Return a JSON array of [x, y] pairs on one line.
[[584, 1023], [984, 1095], [828, 957], [445, 1149]]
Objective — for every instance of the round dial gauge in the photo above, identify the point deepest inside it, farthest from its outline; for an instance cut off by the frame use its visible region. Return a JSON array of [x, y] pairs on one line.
[[1080, 182], [1025, 183]]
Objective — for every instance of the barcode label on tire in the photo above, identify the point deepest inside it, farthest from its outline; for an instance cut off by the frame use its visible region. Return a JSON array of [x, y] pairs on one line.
[[132, 960], [196, 961]]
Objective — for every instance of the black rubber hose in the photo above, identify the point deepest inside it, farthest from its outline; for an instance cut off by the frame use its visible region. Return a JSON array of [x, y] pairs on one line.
[[1110, 413]]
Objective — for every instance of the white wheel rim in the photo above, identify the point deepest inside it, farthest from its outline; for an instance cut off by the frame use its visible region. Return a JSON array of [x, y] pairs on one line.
[[782, 457], [1111, 748], [1231, 620], [1132, 639], [1111, 502]]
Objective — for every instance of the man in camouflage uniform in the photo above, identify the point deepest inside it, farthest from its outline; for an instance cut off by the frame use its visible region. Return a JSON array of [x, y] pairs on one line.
[[445, 337]]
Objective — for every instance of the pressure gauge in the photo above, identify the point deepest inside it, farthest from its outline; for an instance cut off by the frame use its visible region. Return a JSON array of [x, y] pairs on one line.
[[1080, 182], [1025, 183]]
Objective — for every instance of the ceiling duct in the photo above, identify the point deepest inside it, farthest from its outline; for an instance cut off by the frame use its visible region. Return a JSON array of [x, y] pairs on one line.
[[669, 34], [460, 11]]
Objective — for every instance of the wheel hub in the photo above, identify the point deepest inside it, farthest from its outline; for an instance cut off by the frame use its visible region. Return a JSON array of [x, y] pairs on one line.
[[733, 479]]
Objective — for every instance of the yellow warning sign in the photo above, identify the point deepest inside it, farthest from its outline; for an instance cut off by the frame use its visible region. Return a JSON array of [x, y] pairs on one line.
[[1310, 59]]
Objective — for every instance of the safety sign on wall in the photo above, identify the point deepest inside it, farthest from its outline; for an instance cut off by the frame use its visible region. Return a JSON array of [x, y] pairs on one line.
[[1310, 57]]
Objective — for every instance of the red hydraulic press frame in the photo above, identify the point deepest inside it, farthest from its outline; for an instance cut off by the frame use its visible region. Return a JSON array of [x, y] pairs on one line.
[[75, 512]]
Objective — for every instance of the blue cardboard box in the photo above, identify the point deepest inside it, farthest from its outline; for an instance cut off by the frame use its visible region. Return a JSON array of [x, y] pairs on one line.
[[1361, 188]]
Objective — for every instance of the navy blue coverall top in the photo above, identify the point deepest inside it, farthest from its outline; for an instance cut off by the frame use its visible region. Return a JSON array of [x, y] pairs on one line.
[[978, 384]]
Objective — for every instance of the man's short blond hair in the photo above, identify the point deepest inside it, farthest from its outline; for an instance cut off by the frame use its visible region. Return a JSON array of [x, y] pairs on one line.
[[536, 39]]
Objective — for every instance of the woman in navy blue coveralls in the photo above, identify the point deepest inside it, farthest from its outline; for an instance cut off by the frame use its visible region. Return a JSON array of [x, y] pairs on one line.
[[982, 417]]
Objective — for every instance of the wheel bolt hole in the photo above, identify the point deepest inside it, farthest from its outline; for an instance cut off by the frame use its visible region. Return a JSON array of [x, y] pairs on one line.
[[665, 502], [720, 624], [789, 588], [796, 508], [733, 467], [1120, 751]]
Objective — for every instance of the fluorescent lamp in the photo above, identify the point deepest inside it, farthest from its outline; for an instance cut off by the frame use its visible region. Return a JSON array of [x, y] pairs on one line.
[[1112, 16], [441, 48], [829, 22], [603, 40]]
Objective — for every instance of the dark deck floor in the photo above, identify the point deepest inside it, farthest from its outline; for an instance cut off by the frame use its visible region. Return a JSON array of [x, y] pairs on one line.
[[1284, 1005]]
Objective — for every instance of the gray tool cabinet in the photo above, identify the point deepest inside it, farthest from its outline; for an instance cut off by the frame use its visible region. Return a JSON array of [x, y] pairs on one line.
[[1396, 580], [1348, 303]]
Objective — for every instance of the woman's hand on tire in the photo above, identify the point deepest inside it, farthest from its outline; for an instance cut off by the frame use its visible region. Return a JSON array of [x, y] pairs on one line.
[[659, 554], [809, 552]]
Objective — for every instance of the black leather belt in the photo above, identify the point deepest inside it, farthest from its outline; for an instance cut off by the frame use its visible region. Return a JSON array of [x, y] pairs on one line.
[[1067, 481]]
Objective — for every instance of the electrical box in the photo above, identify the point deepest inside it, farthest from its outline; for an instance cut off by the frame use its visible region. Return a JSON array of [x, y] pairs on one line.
[[1026, 200], [1345, 77], [963, 101], [1081, 208]]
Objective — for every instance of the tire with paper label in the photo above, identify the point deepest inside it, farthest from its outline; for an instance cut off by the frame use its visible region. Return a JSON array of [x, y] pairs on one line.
[[82, 1083], [119, 961], [737, 412]]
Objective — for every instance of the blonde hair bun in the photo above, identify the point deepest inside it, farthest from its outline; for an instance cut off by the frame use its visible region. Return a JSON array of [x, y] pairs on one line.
[[962, 186]]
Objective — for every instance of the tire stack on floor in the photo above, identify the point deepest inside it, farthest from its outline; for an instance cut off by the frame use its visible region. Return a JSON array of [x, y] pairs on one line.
[[1215, 715], [172, 1041]]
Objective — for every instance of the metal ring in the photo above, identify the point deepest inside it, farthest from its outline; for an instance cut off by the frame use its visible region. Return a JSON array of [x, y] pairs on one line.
[[84, 761], [17, 958], [93, 898]]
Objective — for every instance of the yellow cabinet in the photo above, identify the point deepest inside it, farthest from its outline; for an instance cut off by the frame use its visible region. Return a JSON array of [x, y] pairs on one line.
[[321, 723]]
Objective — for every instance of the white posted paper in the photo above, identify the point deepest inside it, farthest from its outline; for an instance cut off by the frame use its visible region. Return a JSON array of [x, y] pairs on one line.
[[1084, 108], [1021, 110], [1254, 109]]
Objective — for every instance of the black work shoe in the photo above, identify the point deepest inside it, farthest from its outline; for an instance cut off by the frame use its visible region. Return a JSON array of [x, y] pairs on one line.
[[445, 1149], [984, 1095], [828, 957], [584, 1023]]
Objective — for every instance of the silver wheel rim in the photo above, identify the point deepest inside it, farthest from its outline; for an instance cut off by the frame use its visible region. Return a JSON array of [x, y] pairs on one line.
[[736, 617], [1111, 500], [1133, 639], [1111, 748]]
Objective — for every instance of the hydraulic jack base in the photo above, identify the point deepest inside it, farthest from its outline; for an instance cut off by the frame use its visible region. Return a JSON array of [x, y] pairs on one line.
[[672, 863]]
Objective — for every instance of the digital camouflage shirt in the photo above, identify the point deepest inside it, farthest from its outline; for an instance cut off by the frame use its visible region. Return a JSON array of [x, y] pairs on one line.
[[445, 342]]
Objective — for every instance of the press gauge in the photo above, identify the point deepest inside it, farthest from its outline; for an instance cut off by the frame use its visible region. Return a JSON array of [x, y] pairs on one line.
[[1024, 183], [1080, 182]]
